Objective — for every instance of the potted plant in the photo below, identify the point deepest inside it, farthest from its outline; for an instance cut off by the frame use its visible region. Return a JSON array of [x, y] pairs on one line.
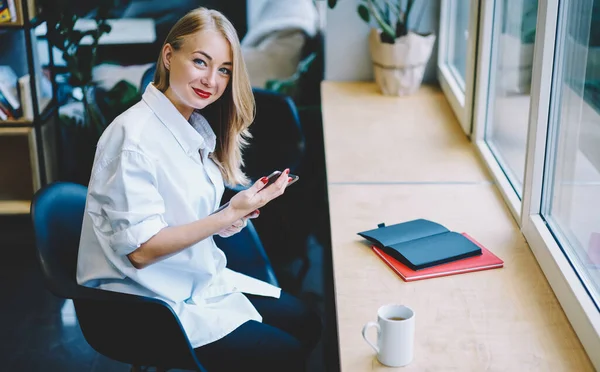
[[399, 54], [79, 132]]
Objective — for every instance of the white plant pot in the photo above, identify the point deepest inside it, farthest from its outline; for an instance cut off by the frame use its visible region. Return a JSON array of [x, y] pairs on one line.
[[399, 67]]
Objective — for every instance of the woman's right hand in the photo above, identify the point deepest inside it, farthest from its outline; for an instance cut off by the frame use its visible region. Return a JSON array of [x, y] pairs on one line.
[[253, 198]]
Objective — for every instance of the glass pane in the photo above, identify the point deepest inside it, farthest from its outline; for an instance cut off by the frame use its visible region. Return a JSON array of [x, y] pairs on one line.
[[572, 178], [510, 83], [458, 40]]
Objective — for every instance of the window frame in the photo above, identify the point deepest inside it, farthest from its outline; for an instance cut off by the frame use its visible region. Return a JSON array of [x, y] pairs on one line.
[[462, 103], [568, 288], [484, 84], [562, 277]]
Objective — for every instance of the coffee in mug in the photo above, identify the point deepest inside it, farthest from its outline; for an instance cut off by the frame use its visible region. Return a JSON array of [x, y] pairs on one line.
[[395, 335], [397, 318]]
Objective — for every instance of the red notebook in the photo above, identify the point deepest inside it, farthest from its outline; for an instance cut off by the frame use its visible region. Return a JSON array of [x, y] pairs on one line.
[[487, 260]]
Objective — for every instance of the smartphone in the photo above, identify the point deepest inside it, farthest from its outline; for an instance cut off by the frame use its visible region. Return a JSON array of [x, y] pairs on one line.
[[271, 179]]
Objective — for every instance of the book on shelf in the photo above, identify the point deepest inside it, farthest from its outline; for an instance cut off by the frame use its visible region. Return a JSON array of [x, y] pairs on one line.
[[16, 96], [9, 96], [26, 101], [6, 113], [7, 11], [4, 11], [26, 98], [11, 11], [486, 261], [9, 103]]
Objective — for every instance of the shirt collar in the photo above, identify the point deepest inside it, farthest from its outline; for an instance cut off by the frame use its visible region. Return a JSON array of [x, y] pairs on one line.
[[198, 135], [201, 125]]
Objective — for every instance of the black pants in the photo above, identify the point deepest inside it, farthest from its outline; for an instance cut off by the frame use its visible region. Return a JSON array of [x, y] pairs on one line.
[[282, 342]]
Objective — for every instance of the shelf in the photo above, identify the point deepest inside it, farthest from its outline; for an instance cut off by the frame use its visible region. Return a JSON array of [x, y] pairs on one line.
[[15, 206], [15, 131], [13, 25], [27, 144], [45, 107], [15, 122], [19, 171], [22, 26], [34, 21]]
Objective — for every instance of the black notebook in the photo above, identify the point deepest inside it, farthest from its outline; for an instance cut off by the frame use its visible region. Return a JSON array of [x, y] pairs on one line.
[[419, 244]]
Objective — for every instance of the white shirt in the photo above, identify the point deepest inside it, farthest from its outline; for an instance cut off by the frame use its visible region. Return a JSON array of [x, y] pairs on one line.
[[147, 175]]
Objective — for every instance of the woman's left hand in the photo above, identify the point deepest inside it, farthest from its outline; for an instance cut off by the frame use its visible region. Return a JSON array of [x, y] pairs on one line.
[[238, 225]]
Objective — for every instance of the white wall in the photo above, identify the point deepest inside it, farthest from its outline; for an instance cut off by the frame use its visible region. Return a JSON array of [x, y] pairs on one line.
[[346, 47]]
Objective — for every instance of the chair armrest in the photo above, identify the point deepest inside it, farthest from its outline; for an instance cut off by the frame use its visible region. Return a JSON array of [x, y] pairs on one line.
[[134, 329]]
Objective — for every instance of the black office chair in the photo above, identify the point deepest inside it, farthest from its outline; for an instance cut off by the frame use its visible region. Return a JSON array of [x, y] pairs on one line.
[[246, 254], [116, 324]]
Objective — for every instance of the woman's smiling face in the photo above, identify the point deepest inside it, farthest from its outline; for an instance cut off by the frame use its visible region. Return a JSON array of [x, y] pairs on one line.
[[199, 71]]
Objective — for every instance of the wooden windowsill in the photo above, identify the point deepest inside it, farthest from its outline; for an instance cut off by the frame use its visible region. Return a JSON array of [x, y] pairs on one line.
[[15, 206], [393, 159]]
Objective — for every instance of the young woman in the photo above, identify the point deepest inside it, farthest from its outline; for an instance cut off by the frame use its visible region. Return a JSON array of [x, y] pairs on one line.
[[159, 173]]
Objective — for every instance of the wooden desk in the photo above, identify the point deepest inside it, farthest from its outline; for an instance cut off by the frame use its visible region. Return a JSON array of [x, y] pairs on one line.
[[395, 159]]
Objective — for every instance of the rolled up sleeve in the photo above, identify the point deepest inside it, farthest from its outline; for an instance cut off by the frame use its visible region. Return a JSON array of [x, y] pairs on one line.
[[125, 200]]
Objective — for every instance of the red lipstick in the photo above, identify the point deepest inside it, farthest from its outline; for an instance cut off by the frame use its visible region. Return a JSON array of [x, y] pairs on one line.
[[201, 93]]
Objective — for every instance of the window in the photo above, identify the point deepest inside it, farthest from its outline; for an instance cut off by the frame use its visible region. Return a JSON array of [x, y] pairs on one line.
[[537, 127], [456, 57], [513, 36], [457, 54], [571, 187]]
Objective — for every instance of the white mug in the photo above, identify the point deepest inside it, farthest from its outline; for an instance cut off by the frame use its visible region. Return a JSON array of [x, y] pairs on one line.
[[395, 335]]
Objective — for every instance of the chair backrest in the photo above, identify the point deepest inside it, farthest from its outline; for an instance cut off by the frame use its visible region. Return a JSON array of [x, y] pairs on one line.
[[277, 137], [57, 213]]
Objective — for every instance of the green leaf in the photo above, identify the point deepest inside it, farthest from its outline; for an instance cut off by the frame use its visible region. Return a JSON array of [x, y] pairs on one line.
[[332, 3], [385, 27], [304, 65], [393, 7], [409, 5], [364, 14]]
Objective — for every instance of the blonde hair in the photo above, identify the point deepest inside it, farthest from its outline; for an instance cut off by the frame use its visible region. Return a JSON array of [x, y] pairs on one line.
[[231, 115]]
